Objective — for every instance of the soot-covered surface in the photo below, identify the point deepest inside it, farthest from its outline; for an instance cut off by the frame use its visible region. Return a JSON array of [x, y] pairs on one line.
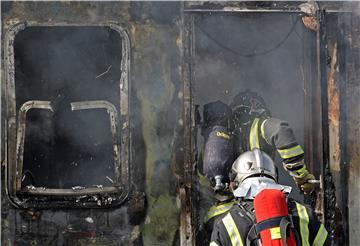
[[66, 148]]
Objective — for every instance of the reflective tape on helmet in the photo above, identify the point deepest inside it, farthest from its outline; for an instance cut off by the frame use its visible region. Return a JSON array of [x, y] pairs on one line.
[[304, 224], [254, 134], [320, 236], [290, 152], [217, 210], [232, 230]]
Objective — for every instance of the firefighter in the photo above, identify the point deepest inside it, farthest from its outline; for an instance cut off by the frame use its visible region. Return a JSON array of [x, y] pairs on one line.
[[245, 125], [262, 213], [253, 123], [231, 130]]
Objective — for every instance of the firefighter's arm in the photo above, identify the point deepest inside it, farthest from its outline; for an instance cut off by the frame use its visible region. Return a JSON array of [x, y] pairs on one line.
[[279, 134]]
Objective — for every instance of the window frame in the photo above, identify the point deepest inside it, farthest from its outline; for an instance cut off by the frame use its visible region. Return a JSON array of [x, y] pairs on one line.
[[14, 130]]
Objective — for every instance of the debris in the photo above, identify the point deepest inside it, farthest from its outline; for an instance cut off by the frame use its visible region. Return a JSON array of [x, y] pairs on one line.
[[310, 22], [77, 188], [89, 220], [107, 70], [112, 181], [31, 187], [99, 186], [309, 8], [79, 198]]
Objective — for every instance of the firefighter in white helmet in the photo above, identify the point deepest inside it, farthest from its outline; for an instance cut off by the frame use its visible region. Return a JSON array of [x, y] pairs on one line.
[[245, 125], [262, 213]]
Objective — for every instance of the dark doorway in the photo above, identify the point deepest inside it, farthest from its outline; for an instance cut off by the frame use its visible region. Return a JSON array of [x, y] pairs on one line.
[[262, 52]]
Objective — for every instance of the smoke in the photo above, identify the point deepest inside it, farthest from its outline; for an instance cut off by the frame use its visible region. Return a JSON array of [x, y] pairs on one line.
[[260, 52], [64, 65]]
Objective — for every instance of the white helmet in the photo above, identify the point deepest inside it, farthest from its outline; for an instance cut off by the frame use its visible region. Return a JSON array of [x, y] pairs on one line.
[[253, 163]]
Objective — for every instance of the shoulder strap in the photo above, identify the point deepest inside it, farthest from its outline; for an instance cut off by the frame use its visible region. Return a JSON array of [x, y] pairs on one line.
[[293, 227], [252, 237]]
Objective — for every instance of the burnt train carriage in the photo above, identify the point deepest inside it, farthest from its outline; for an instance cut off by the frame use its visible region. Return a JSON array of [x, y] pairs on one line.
[[100, 142]]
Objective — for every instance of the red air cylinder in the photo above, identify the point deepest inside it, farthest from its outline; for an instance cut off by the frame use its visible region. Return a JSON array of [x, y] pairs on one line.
[[271, 204]]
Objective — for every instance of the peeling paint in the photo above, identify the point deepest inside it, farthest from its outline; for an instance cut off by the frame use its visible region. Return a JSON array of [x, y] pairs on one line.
[[334, 112], [333, 91]]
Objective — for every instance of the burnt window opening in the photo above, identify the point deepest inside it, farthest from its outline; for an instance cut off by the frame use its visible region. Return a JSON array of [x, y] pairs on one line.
[[68, 94], [77, 150]]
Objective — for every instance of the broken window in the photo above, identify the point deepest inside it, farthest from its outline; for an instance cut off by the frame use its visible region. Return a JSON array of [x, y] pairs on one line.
[[67, 111]]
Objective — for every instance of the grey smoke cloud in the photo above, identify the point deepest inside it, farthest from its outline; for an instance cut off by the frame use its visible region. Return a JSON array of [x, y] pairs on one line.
[[276, 76]]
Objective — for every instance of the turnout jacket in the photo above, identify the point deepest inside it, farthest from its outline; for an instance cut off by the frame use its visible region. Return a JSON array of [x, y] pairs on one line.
[[232, 228], [269, 134], [222, 145]]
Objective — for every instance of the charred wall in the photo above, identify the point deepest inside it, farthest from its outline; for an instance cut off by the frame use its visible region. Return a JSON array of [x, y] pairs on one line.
[[155, 108], [157, 95], [352, 124], [343, 118]]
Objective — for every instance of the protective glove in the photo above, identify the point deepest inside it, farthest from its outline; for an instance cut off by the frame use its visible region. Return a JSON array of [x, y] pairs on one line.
[[301, 176], [304, 185]]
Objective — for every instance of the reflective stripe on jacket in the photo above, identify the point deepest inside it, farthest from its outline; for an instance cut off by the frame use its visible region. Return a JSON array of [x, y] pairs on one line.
[[233, 228], [217, 210], [272, 132]]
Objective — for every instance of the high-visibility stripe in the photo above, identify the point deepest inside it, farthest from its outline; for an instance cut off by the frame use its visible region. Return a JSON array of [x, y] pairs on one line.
[[214, 244], [320, 236], [263, 131], [254, 135], [291, 152], [304, 224], [301, 172], [217, 210], [232, 230]]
